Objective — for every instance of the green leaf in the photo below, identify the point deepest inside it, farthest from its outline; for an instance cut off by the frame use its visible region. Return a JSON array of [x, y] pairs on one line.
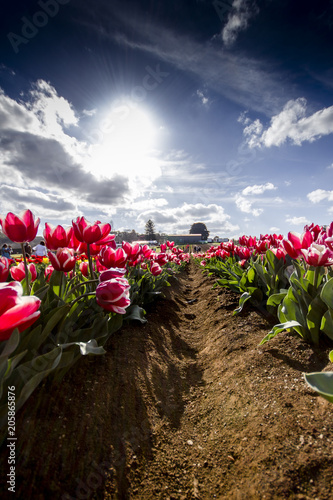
[[54, 317], [331, 356], [327, 324], [90, 347], [317, 309], [327, 293], [244, 298], [33, 375], [322, 382], [135, 312], [276, 298], [279, 328], [11, 344], [251, 275]]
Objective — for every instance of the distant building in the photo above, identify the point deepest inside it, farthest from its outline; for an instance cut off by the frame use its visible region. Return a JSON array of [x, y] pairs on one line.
[[184, 239]]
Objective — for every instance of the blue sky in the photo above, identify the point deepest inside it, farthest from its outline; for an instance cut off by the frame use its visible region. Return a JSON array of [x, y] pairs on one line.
[[178, 111]]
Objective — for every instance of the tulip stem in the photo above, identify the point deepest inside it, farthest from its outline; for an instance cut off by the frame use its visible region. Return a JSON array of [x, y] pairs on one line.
[[83, 295], [78, 286], [90, 262], [61, 284], [26, 268]]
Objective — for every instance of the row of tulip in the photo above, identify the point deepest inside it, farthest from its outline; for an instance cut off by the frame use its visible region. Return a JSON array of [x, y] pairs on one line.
[[57, 308], [288, 278]]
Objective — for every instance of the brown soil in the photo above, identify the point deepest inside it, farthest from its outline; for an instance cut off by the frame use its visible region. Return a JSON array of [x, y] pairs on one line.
[[187, 406]]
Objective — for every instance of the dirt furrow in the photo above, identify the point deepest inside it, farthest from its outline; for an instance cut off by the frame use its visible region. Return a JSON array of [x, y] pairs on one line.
[[186, 406]]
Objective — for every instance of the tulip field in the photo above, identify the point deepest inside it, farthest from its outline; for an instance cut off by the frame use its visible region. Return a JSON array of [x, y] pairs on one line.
[[55, 309], [288, 279], [62, 311]]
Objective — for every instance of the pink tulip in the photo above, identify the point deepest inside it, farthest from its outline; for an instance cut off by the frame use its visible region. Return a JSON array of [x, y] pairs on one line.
[[163, 247], [16, 311], [18, 272], [63, 260], [4, 269], [20, 228], [113, 295], [90, 233], [318, 255], [57, 237]]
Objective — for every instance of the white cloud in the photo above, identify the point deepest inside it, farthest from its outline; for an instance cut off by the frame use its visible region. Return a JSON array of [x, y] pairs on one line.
[[274, 229], [258, 188], [204, 100], [291, 124], [182, 217], [238, 20], [245, 205], [37, 151], [297, 221], [320, 195], [89, 112]]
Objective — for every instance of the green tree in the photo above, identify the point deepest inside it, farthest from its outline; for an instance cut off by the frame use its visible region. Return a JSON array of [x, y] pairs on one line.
[[150, 230], [200, 228]]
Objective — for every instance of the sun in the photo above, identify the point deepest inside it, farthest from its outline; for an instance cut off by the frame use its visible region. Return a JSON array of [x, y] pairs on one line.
[[127, 141]]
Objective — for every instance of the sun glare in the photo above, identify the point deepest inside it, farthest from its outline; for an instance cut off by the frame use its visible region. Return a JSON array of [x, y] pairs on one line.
[[126, 142]]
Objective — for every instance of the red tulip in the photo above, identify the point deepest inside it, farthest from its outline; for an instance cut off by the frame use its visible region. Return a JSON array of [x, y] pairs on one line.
[[329, 242], [299, 241], [57, 237], [84, 268], [113, 295], [314, 229], [20, 228], [4, 269], [63, 260], [18, 272], [163, 247], [262, 246], [90, 233], [132, 251], [155, 269], [16, 311], [279, 252], [48, 271], [147, 251], [161, 258], [113, 258], [111, 273], [318, 255]]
